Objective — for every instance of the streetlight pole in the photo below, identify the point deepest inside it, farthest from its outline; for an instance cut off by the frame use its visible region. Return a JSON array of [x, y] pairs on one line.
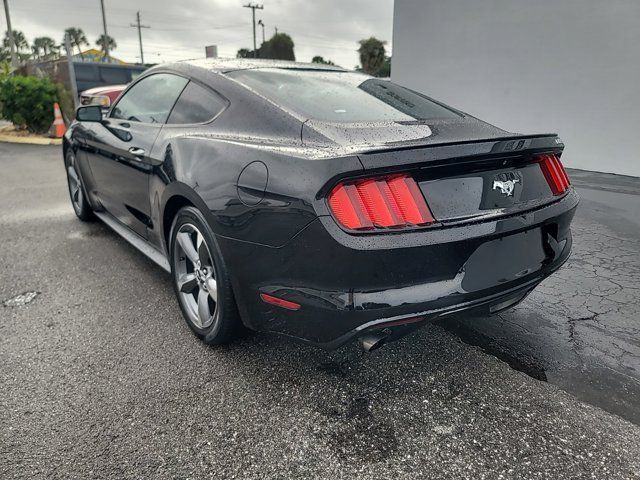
[[254, 7], [12, 42], [104, 27]]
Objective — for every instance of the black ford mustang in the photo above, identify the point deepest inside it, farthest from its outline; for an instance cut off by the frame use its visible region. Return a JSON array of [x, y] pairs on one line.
[[317, 202]]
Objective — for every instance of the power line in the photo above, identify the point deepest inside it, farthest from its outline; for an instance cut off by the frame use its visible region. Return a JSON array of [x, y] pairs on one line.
[[140, 27], [254, 7]]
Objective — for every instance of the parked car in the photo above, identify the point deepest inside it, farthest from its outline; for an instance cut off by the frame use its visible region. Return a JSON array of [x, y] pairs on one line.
[[101, 96], [319, 203], [94, 74]]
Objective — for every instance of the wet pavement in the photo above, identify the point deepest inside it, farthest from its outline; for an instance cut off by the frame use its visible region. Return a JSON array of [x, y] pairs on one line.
[[580, 329], [101, 378]]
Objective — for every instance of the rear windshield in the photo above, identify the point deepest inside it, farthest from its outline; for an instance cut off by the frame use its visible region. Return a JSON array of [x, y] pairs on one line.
[[341, 96]]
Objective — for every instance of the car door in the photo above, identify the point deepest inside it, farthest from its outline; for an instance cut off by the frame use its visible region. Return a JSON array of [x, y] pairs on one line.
[[195, 110], [120, 150]]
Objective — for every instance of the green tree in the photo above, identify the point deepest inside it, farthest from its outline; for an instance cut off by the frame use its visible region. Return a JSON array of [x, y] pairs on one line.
[[319, 59], [278, 47], [106, 41], [45, 46], [5, 55], [385, 70], [77, 38], [244, 53], [22, 46], [49, 46], [372, 55]]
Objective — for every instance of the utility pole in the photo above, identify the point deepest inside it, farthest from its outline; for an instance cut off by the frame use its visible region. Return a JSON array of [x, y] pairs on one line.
[[12, 42], [72, 70], [276, 30], [140, 27], [261, 23], [104, 27], [254, 7]]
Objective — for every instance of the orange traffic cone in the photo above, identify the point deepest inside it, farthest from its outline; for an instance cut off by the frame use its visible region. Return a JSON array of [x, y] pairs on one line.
[[58, 127]]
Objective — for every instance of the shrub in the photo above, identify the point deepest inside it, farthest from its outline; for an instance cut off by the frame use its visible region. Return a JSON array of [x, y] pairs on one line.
[[4, 74], [27, 102]]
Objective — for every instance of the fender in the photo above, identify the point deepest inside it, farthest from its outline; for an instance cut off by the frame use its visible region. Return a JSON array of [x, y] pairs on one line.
[[159, 203]]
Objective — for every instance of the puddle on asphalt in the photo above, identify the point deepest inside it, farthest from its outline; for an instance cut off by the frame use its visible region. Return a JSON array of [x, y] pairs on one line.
[[20, 300], [603, 387], [517, 360]]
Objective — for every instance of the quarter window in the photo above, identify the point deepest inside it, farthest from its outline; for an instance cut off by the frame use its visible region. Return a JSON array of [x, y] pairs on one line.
[[196, 105], [151, 99], [114, 75]]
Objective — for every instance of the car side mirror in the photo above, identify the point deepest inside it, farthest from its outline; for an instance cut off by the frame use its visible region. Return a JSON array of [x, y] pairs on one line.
[[90, 113]]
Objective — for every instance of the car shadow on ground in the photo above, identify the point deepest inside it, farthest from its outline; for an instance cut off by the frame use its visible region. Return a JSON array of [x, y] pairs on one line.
[[527, 338]]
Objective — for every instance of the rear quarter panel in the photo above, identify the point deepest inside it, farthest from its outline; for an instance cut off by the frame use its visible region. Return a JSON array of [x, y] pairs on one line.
[[204, 162]]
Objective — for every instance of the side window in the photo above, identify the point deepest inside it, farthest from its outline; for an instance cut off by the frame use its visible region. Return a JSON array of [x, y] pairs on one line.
[[85, 73], [196, 105], [151, 99], [114, 75]]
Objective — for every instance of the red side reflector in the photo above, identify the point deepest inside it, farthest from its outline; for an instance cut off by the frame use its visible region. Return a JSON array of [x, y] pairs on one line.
[[279, 302], [554, 173], [388, 202]]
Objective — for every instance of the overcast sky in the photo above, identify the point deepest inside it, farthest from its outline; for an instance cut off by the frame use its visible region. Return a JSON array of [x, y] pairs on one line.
[[181, 29]]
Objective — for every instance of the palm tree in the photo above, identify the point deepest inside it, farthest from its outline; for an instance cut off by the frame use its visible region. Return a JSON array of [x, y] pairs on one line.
[[106, 41], [372, 55], [49, 46], [19, 39], [46, 45], [5, 56], [35, 48], [77, 39]]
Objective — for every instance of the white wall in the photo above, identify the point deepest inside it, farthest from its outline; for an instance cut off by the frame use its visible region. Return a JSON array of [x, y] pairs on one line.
[[532, 66]]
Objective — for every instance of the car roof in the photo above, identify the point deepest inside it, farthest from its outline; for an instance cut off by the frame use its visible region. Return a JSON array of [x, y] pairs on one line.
[[224, 65]]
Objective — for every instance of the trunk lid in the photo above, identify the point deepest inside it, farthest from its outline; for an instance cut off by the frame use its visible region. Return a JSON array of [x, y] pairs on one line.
[[474, 180]]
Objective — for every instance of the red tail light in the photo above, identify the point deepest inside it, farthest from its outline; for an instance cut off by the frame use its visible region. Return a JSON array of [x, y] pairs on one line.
[[555, 173], [389, 202], [279, 302]]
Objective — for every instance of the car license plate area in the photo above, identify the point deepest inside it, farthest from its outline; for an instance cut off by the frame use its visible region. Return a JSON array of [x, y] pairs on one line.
[[504, 260]]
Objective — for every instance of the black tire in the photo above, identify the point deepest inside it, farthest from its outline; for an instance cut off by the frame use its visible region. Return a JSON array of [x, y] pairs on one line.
[[192, 278], [77, 192]]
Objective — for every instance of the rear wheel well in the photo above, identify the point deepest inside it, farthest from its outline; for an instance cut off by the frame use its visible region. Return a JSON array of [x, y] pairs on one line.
[[174, 204]]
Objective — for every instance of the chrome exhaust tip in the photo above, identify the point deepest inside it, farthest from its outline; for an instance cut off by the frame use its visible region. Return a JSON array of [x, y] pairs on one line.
[[373, 341]]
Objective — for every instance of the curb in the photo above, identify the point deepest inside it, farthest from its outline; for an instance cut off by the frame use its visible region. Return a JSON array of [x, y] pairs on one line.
[[30, 140]]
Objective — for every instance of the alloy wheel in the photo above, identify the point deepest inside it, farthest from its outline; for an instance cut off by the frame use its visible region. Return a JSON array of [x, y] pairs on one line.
[[195, 276], [75, 188]]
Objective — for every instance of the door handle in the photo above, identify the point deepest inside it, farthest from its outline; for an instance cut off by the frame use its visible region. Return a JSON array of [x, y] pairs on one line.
[[138, 152]]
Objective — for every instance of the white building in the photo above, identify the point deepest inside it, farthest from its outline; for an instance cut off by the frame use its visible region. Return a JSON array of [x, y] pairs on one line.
[[532, 66]]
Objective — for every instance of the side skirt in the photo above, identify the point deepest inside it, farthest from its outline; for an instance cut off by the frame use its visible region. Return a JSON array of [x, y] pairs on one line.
[[135, 240]]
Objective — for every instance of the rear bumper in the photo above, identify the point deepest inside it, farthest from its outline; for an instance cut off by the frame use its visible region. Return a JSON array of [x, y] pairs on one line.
[[348, 284]]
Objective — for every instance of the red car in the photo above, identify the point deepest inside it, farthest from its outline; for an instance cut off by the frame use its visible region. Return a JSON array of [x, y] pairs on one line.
[[102, 96]]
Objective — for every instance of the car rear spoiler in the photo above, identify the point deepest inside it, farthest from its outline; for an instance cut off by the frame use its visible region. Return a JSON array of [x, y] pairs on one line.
[[442, 153]]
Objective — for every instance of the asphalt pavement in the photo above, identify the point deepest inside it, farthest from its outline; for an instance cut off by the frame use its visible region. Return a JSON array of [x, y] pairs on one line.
[[101, 378]]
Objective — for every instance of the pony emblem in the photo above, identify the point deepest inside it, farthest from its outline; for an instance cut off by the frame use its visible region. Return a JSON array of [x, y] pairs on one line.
[[507, 186]]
